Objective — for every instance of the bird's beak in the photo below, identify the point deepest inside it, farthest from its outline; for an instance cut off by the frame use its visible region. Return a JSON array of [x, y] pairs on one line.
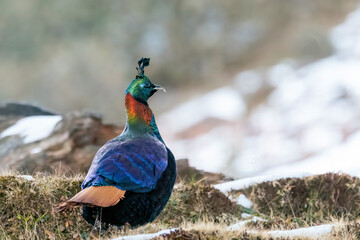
[[158, 87]]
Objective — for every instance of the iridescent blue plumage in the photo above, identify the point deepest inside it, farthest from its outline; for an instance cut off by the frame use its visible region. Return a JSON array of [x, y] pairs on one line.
[[131, 177], [134, 164]]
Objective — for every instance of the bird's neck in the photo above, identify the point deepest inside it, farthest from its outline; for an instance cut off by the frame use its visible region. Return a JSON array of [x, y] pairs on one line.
[[140, 119], [137, 113]]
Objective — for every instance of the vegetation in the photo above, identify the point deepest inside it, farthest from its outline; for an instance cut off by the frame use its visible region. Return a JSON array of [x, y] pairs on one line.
[[200, 211], [26, 208], [301, 202], [197, 202]]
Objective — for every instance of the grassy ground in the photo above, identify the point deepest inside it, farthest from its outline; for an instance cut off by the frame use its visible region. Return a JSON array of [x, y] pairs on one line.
[[302, 202], [201, 212]]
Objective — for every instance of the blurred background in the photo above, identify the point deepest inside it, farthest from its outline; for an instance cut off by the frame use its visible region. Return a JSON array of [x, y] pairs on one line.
[[251, 85]]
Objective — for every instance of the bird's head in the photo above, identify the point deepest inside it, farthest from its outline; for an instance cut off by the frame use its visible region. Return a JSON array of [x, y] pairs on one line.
[[141, 88]]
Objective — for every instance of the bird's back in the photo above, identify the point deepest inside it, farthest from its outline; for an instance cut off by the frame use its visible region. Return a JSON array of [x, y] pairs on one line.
[[138, 208], [128, 163]]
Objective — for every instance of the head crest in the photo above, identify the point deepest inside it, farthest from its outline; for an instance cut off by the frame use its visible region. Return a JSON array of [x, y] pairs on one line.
[[143, 63]]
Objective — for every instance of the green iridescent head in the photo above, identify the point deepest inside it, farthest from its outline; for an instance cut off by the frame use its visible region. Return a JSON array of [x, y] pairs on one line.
[[141, 88]]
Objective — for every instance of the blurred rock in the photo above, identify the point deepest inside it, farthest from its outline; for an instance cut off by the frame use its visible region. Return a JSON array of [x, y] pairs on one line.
[[13, 109], [11, 112], [71, 145]]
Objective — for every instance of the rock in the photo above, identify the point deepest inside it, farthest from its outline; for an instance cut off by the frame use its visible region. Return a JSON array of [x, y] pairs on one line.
[[71, 145], [22, 109]]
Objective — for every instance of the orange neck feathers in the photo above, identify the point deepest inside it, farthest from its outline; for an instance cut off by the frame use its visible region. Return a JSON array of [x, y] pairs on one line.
[[137, 112]]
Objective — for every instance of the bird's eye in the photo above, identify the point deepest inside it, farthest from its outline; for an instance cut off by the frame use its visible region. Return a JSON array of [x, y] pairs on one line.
[[147, 85]]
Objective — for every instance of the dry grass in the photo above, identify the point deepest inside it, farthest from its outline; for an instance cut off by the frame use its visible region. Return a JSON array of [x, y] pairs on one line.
[[343, 229], [26, 208], [195, 202], [301, 202], [200, 211]]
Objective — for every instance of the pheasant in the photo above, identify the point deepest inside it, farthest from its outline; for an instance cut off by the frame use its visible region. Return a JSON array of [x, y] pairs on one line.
[[132, 176]]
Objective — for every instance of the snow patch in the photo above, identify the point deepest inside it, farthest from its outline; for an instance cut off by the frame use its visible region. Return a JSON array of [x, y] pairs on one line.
[[146, 236], [346, 36], [210, 155], [246, 215], [248, 82], [33, 128], [247, 182], [35, 150], [309, 232], [342, 158], [244, 201], [223, 103], [241, 224], [27, 177], [280, 72]]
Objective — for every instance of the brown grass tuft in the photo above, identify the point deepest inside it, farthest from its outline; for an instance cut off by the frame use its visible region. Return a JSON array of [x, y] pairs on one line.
[[26, 208], [197, 201], [301, 202]]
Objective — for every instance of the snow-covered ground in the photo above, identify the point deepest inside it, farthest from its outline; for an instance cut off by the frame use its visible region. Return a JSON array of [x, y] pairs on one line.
[[223, 103], [312, 114], [27, 177], [146, 236], [343, 158], [241, 225], [315, 232], [247, 182], [33, 128]]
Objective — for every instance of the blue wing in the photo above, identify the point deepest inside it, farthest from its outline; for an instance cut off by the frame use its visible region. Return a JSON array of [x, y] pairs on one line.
[[132, 165]]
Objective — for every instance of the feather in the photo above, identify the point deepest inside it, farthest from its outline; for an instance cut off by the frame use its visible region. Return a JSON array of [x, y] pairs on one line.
[[105, 196], [133, 165]]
